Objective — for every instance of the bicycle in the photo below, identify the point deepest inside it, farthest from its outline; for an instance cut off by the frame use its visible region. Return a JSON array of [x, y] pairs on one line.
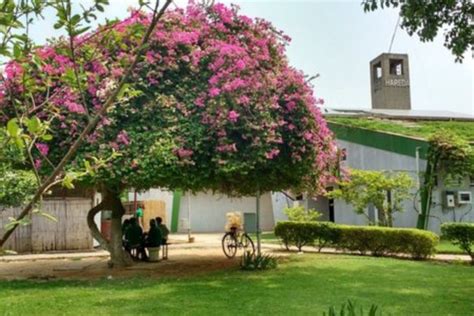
[[234, 240]]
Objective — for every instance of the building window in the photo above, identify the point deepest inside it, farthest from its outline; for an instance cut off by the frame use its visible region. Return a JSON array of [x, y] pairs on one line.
[[396, 67], [378, 70], [471, 181]]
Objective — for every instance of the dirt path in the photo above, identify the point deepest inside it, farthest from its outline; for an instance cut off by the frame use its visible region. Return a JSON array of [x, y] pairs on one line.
[[185, 259]]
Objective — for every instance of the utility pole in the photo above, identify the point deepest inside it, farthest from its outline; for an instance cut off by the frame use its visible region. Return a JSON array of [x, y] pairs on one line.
[[258, 223]]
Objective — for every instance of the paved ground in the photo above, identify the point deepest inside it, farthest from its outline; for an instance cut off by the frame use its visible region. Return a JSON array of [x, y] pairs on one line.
[[185, 259]]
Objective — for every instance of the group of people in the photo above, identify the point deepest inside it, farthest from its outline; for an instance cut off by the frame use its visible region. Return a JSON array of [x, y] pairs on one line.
[[135, 238]]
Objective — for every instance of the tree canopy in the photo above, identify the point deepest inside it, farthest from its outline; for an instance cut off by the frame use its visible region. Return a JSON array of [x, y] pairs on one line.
[[384, 190], [426, 18], [214, 104]]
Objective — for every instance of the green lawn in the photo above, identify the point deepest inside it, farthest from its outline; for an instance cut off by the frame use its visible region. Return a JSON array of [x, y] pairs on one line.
[[304, 285], [446, 246]]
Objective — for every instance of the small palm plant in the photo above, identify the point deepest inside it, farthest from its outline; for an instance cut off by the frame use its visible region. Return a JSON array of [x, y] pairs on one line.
[[350, 309], [252, 262]]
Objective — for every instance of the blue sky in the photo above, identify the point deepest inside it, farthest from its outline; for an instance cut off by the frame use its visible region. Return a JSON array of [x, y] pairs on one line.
[[337, 40]]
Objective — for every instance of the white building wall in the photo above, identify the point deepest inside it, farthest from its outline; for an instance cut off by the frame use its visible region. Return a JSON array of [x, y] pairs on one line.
[[279, 203], [368, 158], [208, 211]]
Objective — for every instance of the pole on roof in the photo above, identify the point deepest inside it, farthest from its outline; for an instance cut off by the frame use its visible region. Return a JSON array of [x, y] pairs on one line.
[[258, 222]]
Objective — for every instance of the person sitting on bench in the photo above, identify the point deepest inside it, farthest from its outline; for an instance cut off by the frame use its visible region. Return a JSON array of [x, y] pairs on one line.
[[164, 230], [125, 225], [154, 237], [134, 238]]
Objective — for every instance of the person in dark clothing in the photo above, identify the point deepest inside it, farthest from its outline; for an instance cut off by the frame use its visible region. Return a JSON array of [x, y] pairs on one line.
[[134, 238], [164, 230], [125, 225], [154, 236]]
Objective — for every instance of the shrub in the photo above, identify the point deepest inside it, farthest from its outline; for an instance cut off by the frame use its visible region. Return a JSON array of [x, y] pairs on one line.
[[379, 241], [350, 309], [325, 234], [258, 262], [300, 214], [460, 234], [297, 234]]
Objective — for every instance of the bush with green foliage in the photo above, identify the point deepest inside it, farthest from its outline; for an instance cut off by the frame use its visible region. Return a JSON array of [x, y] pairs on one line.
[[379, 241], [350, 309], [252, 262], [382, 241], [325, 234], [298, 234], [460, 234], [300, 214]]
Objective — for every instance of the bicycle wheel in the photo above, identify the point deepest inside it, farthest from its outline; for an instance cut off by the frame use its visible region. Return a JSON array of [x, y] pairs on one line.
[[229, 245], [247, 244]]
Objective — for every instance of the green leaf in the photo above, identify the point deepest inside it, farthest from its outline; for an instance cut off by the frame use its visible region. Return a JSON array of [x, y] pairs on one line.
[[123, 90], [16, 51], [75, 19], [80, 31], [68, 180], [34, 125], [47, 137], [13, 129]]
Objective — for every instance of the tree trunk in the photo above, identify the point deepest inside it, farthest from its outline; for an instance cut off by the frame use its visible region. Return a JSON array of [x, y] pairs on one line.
[[111, 201], [118, 256]]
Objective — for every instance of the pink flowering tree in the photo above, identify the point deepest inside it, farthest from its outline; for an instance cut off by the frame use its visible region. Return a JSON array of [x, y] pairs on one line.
[[213, 105]]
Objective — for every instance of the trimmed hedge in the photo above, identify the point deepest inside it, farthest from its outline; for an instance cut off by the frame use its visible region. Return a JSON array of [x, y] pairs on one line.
[[379, 241], [460, 234], [301, 234]]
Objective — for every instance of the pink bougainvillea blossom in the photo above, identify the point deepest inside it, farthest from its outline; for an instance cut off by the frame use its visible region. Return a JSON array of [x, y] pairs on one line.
[[42, 148], [37, 163], [233, 116], [13, 70], [199, 102], [122, 138], [184, 153], [227, 148], [272, 153], [213, 92]]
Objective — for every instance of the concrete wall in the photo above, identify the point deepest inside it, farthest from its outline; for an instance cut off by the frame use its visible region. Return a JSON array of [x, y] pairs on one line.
[[390, 91]]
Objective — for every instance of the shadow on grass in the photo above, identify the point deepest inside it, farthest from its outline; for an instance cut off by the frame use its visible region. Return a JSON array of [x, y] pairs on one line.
[[305, 284]]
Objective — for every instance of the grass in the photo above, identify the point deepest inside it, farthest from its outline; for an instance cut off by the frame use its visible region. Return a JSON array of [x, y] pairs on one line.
[[446, 246], [421, 129], [305, 285], [267, 237]]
